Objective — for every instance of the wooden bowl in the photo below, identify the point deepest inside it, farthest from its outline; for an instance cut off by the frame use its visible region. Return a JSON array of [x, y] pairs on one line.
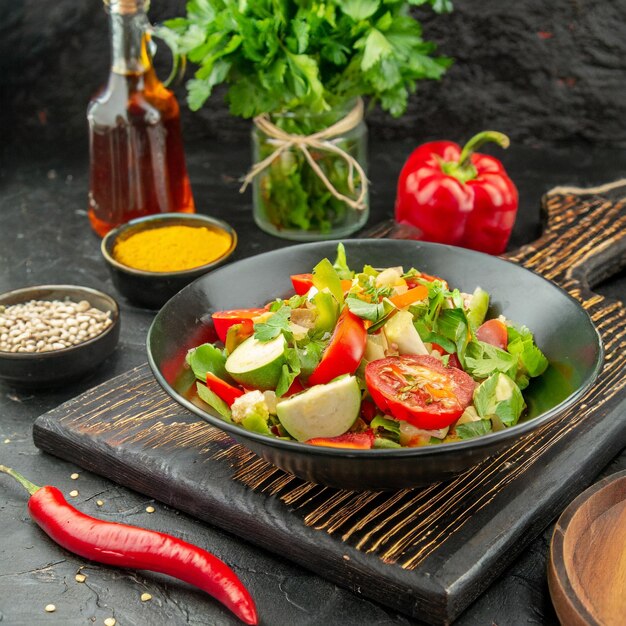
[[587, 566]]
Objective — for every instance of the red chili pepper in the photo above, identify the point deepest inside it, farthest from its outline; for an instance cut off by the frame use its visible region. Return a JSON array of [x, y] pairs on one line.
[[122, 545], [457, 196]]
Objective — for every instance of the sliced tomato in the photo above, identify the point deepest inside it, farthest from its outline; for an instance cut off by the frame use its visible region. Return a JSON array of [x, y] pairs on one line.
[[355, 441], [223, 320], [345, 350], [303, 282], [493, 332], [222, 389], [419, 390]]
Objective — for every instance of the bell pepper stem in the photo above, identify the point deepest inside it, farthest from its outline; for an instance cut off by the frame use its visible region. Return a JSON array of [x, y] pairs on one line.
[[479, 140], [30, 487]]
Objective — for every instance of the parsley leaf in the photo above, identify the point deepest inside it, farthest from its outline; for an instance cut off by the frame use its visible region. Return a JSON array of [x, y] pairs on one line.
[[499, 395], [522, 344], [274, 326], [289, 372], [282, 56], [482, 360], [473, 429]]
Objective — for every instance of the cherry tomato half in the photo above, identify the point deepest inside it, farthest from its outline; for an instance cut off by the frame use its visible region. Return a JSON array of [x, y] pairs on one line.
[[419, 390], [223, 320], [303, 282], [345, 350], [493, 332]]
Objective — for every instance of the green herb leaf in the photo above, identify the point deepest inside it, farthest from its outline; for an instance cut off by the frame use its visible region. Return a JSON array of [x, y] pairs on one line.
[[359, 9], [482, 360], [309, 355], [341, 264], [208, 358], [499, 395], [522, 344], [275, 325], [473, 429], [372, 311], [285, 56]]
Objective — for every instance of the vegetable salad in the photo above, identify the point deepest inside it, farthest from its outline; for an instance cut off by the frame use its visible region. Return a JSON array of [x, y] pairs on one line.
[[377, 358]]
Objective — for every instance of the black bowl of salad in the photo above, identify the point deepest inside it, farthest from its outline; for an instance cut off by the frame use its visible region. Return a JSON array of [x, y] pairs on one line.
[[374, 364]]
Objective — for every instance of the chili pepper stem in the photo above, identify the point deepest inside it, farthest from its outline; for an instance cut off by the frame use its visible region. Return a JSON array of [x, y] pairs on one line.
[[30, 487]]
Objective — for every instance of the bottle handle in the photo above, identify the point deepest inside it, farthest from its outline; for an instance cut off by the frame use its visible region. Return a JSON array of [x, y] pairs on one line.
[[179, 62]]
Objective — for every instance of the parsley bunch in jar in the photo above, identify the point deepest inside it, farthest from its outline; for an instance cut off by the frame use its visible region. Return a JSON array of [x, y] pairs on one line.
[[300, 69]]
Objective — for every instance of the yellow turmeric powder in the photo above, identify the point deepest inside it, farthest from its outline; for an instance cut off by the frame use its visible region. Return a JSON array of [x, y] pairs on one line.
[[172, 248]]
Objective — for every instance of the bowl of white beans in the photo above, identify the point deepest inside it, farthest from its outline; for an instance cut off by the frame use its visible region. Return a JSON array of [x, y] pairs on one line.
[[55, 334]]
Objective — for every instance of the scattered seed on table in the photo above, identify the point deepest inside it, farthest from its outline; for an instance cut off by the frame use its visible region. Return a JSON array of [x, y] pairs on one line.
[[150, 509], [109, 621], [74, 476], [73, 493], [45, 325], [50, 608], [80, 578], [145, 597], [99, 502]]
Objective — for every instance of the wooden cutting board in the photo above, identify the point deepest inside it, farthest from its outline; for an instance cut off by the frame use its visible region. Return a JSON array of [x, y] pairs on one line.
[[427, 552]]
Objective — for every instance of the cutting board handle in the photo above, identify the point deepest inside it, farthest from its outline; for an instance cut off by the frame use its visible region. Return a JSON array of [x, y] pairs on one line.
[[584, 237]]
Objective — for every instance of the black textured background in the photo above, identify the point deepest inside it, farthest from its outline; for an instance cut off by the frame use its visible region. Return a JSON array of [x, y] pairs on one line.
[[543, 72]]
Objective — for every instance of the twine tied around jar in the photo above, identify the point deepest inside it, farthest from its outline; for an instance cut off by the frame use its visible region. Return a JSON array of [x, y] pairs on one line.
[[321, 140]]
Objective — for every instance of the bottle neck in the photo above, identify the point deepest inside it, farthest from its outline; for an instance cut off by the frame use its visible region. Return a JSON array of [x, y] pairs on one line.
[[130, 40]]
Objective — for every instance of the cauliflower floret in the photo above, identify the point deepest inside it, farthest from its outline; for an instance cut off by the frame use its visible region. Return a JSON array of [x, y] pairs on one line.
[[250, 404]]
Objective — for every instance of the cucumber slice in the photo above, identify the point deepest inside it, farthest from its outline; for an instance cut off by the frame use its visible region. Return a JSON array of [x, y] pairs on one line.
[[257, 364], [477, 309], [322, 411]]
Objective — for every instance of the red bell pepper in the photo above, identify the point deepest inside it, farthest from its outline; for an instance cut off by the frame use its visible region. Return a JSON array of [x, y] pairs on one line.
[[303, 282], [222, 389], [353, 441], [456, 196], [344, 351]]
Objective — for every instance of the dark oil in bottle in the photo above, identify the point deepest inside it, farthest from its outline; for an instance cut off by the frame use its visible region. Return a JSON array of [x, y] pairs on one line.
[[137, 162]]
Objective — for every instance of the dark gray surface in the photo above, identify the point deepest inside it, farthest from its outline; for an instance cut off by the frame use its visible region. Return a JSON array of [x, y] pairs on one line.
[[45, 238], [539, 71]]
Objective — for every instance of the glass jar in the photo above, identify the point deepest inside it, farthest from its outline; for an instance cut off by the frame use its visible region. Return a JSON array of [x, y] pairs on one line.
[[290, 199]]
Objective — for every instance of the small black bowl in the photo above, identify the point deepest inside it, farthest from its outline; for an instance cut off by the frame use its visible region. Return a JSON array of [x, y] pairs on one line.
[[49, 369], [153, 289]]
